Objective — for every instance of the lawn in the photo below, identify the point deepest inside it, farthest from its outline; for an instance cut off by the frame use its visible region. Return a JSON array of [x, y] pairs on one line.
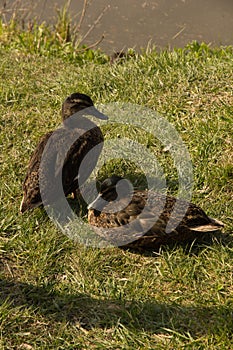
[[58, 294]]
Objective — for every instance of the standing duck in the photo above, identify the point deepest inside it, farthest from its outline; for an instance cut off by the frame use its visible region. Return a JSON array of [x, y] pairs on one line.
[[62, 153], [111, 213]]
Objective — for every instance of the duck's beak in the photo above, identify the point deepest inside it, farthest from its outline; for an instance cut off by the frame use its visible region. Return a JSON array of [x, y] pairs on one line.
[[97, 204], [93, 111]]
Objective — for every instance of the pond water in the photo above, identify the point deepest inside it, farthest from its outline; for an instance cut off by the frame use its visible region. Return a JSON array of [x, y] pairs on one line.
[[135, 23]]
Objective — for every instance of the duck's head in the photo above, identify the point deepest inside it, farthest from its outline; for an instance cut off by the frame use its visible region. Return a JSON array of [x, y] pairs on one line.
[[77, 102], [112, 189], [109, 187]]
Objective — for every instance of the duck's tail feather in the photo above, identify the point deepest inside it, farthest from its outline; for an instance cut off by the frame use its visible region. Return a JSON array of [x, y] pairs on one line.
[[214, 225]]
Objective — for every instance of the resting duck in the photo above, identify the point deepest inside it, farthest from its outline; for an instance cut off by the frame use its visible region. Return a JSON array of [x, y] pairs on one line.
[[64, 149], [111, 213]]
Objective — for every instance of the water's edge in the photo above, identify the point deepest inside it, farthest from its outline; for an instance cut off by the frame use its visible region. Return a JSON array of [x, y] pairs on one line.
[[131, 23]]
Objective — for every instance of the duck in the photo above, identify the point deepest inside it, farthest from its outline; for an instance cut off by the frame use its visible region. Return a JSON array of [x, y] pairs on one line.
[[59, 154], [137, 219]]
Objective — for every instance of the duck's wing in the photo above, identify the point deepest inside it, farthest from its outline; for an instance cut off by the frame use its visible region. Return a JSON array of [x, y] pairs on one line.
[[154, 222], [31, 188], [212, 226], [44, 172], [190, 227], [183, 214], [61, 157], [73, 176], [35, 159], [54, 166], [197, 220]]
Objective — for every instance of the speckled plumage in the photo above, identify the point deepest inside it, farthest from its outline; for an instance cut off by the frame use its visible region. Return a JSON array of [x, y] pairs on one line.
[[57, 162], [191, 226]]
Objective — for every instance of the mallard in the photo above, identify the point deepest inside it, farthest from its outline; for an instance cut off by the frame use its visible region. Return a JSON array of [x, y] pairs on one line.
[[62, 156], [147, 220]]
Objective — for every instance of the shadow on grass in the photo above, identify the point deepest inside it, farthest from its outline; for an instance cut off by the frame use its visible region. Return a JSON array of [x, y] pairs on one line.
[[192, 247], [89, 313]]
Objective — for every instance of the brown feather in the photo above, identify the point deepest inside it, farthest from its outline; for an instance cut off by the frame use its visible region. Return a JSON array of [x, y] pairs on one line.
[[58, 164], [189, 227]]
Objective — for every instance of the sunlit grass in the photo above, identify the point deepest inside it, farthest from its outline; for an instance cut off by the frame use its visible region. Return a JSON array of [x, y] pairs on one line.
[[60, 295]]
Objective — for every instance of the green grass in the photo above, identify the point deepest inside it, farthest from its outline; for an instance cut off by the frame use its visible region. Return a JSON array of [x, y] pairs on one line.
[[56, 294]]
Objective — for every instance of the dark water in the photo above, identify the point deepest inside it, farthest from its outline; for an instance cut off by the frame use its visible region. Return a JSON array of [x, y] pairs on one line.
[[134, 23]]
